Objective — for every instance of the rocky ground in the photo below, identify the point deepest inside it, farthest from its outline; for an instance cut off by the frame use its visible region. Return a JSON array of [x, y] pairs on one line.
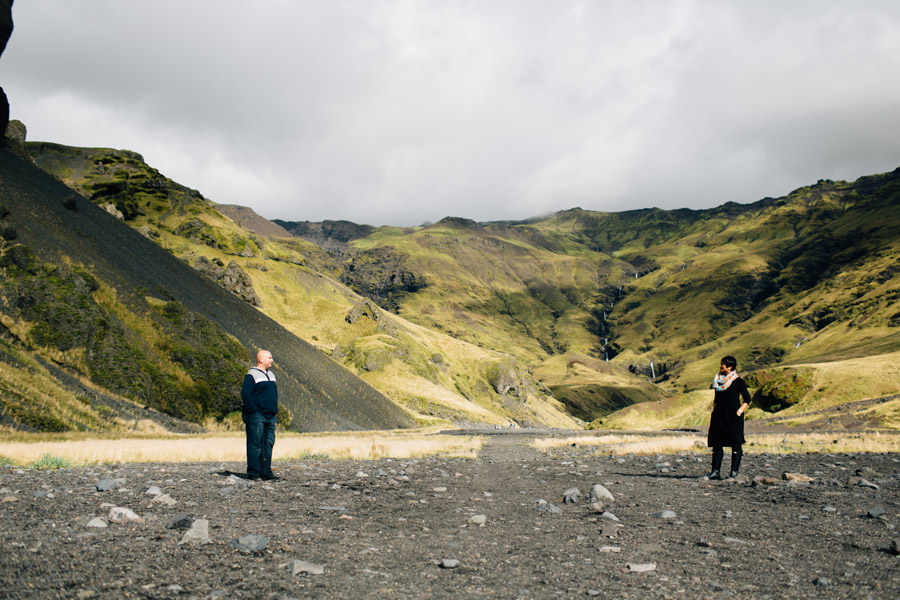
[[497, 526]]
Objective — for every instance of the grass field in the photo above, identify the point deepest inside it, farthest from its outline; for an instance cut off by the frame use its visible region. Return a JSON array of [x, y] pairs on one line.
[[40, 449], [645, 444]]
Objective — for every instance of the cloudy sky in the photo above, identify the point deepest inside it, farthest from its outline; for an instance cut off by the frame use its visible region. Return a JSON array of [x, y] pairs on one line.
[[404, 111]]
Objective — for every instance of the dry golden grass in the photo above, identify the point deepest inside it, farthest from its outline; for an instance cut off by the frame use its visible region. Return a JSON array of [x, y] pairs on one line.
[[757, 443], [824, 442], [627, 444], [231, 447]]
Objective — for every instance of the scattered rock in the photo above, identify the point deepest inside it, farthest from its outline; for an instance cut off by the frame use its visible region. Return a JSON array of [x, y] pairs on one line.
[[198, 533], [164, 499], [598, 492], [153, 491], [301, 567], [609, 516], [598, 507], [97, 522], [822, 581], [8, 499], [613, 549], [867, 484], [118, 514], [760, 480], [571, 496], [449, 563], [797, 477], [894, 548], [106, 485], [239, 482], [180, 521], [250, 543], [875, 512], [640, 567], [547, 507], [479, 520], [665, 514]]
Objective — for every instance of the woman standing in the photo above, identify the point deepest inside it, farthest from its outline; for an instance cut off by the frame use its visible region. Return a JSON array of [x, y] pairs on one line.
[[726, 425]]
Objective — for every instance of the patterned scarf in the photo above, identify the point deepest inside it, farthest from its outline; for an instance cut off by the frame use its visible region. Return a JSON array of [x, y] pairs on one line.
[[721, 382]]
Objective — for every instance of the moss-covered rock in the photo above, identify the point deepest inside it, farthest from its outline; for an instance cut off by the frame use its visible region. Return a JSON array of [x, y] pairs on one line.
[[778, 389]]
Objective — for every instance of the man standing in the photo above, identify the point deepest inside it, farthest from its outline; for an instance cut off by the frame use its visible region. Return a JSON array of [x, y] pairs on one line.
[[726, 424], [259, 394]]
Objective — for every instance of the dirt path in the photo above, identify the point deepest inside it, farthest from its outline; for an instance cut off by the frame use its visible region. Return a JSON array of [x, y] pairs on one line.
[[395, 529]]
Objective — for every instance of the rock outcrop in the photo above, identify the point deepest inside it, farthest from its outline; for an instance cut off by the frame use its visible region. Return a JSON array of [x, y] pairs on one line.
[[233, 278], [327, 234], [6, 28], [247, 217]]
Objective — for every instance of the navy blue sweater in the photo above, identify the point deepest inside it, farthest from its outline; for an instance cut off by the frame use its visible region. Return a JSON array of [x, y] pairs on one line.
[[260, 393]]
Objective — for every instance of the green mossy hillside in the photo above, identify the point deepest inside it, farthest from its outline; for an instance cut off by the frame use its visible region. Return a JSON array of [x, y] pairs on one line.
[[160, 355], [304, 287], [660, 295]]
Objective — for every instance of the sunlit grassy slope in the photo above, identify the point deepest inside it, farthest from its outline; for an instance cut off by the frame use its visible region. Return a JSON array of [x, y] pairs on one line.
[[664, 294], [434, 376], [853, 379], [500, 322]]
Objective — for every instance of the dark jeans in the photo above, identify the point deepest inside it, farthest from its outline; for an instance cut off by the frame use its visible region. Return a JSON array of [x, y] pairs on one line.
[[260, 440]]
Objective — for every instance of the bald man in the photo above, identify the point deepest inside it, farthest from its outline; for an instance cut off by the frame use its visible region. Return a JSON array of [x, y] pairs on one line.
[[260, 410]]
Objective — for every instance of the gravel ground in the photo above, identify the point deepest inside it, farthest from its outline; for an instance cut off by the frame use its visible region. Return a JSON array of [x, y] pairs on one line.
[[442, 528]]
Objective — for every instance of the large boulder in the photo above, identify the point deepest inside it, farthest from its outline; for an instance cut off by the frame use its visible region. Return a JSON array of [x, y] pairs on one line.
[[233, 278], [777, 389]]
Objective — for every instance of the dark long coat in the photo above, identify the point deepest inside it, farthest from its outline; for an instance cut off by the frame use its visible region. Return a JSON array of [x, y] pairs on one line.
[[726, 427]]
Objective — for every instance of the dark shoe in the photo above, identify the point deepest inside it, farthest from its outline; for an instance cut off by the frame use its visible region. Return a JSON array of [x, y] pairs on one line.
[[714, 474], [272, 477], [254, 477], [732, 475]]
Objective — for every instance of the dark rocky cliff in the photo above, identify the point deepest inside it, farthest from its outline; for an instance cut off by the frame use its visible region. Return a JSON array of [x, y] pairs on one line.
[[6, 28]]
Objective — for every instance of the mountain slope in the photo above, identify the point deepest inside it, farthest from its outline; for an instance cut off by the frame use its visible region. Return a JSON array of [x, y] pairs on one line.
[[600, 310], [106, 278], [661, 294], [434, 377]]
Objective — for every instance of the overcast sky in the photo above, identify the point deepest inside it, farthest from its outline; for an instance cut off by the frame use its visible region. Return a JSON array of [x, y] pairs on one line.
[[399, 112]]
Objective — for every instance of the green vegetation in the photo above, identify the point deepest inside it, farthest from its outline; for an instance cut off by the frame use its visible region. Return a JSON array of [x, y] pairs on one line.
[[49, 462], [780, 388], [582, 312], [164, 357]]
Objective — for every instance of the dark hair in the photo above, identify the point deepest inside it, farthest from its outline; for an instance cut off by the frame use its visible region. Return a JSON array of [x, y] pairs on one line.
[[730, 362]]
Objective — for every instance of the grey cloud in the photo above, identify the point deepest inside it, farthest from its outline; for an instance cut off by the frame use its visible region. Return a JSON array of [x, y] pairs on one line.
[[398, 112]]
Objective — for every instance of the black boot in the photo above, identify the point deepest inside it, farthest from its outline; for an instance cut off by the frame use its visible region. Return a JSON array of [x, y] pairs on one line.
[[736, 455], [717, 456]]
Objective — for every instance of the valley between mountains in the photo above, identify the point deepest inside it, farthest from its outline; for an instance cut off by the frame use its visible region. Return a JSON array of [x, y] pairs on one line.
[[581, 318]]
